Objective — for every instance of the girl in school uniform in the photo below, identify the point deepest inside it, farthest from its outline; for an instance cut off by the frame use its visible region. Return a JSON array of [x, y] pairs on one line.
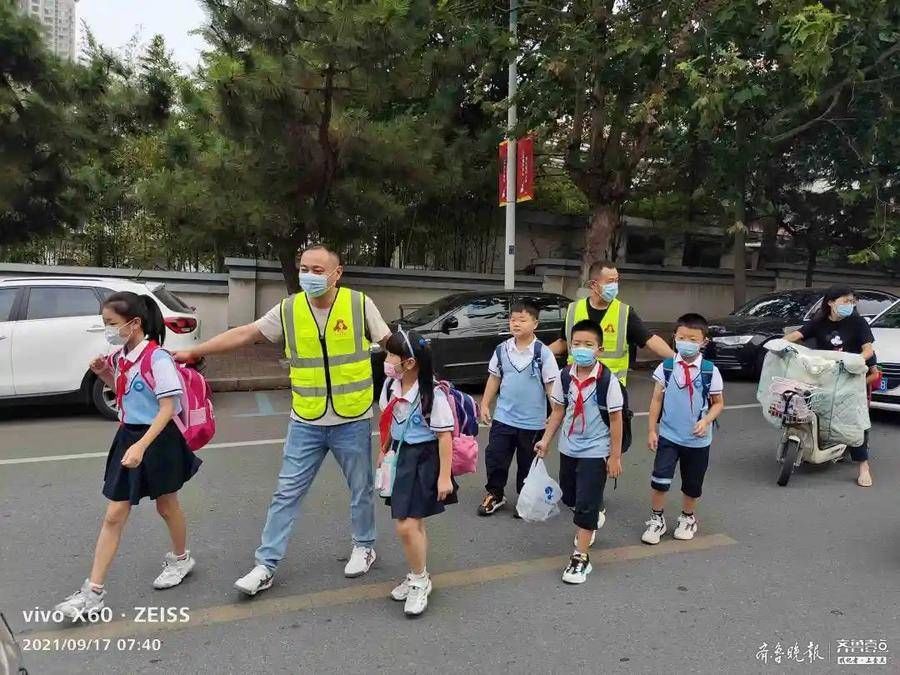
[[416, 423], [148, 457]]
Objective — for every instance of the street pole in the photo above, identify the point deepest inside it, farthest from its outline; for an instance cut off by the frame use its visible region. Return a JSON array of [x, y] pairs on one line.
[[509, 263]]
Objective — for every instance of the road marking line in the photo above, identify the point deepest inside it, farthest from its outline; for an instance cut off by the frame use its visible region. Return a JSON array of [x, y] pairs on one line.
[[238, 444], [90, 455], [255, 608]]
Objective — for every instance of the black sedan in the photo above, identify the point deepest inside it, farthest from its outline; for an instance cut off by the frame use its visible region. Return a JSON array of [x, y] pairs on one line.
[[464, 329], [737, 339]]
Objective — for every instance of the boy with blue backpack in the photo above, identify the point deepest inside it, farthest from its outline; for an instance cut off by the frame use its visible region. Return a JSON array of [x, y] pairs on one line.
[[522, 369], [587, 401], [686, 401]]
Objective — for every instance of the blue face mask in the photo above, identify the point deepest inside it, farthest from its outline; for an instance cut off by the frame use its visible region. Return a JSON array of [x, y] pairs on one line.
[[843, 311], [584, 356], [314, 285], [609, 292], [687, 349]]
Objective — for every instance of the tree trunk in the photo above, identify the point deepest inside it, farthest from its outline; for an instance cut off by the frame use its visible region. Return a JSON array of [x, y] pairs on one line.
[[812, 255], [604, 224], [287, 256], [768, 252], [740, 213]]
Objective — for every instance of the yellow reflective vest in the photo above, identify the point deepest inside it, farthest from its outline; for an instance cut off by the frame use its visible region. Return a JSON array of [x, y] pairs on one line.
[[333, 366], [614, 325]]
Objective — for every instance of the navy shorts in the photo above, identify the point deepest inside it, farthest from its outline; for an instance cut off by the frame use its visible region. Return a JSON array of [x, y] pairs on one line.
[[582, 480], [693, 463]]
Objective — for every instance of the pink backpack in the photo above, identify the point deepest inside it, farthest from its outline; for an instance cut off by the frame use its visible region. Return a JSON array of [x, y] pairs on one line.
[[465, 414], [196, 422]]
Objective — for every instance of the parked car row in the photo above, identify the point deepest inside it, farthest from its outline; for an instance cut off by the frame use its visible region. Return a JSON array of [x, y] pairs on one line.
[[738, 339], [50, 329]]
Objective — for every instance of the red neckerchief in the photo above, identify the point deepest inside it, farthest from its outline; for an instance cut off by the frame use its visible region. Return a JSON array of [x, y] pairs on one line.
[[387, 416], [689, 381], [124, 367], [579, 402]]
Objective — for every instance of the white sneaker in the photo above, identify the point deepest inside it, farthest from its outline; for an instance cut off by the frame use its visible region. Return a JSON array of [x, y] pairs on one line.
[[578, 569], [82, 603], [258, 579], [656, 528], [686, 528], [417, 598], [174, 570], [361, 560], [401, 590]]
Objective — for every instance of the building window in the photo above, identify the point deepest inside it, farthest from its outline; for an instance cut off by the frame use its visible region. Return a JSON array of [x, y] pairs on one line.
[[702, 251], [644, 248]]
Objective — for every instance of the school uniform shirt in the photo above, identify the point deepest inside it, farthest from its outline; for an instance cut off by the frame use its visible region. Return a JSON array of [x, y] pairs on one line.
[[376, 330], [420, 429], [683, 405], [522, 402], [586, 435], [140, 404]]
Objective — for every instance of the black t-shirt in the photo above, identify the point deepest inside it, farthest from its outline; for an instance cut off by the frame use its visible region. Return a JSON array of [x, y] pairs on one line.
[[846, 335], [636, 333]]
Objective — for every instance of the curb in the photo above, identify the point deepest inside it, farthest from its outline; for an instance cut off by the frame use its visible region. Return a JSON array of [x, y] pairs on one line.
[[259, 383]]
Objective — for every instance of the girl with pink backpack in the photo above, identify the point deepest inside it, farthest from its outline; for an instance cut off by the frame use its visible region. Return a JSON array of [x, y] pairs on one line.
[[415, 464], [150, 456]]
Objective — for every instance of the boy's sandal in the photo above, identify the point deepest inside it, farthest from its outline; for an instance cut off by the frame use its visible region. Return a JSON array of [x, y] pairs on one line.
[[864, 480]]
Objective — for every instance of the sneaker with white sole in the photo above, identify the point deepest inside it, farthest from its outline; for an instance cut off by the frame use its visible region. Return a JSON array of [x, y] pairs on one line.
[[686, 528], [417, 597], [401, 590], [361, 561], [578, 569], [174, 570], [656, 528], [490, 504], [82, 603], [256, 580]]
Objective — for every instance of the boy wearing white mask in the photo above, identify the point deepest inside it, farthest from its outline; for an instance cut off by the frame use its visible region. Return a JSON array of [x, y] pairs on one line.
[[686, 401], [587, 402]]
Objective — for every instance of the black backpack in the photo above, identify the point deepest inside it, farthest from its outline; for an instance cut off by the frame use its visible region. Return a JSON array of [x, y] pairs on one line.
[[565, 379]]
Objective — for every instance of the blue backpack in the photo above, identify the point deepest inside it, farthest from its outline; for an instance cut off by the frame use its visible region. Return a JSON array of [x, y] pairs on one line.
[[565, 379], [537, 361], [706, 375]]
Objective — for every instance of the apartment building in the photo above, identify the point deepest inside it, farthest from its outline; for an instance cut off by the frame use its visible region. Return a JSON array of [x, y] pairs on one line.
[[58, 19]]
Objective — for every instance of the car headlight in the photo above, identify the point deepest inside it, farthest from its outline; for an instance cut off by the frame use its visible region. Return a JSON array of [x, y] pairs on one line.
[[733, 340]]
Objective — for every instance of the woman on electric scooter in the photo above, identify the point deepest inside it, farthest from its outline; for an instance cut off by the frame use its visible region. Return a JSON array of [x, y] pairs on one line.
[[838, 327]]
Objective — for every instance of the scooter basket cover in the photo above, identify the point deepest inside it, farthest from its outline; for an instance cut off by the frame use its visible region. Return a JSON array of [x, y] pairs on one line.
[[840, 400]]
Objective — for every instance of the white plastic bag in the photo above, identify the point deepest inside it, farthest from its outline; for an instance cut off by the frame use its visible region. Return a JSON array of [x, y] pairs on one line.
[[385, 474], [539, 499]]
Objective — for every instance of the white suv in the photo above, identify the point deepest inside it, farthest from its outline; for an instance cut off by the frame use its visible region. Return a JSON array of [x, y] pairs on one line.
[[50, 329], [886, 329]]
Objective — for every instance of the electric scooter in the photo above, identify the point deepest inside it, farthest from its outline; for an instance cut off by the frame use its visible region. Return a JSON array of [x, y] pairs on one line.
[[794, 404]]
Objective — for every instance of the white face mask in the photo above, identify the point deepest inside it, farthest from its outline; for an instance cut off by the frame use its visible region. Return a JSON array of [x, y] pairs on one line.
[[115, 337]]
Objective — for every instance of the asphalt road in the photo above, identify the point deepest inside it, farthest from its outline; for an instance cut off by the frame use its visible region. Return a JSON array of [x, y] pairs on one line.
[[812, 564]]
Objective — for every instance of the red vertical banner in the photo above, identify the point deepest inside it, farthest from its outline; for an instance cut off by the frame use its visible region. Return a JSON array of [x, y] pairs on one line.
[[525, 169], [501, 186]]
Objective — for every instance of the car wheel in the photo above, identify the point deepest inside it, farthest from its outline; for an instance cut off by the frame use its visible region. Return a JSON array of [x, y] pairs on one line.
[[104, 400]]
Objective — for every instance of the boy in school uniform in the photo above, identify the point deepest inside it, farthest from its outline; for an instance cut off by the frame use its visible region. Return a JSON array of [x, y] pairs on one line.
[[587, 400], [522, 369], [686, 401]]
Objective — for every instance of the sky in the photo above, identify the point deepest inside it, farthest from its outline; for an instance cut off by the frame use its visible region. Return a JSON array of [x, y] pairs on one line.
[[114, 22]]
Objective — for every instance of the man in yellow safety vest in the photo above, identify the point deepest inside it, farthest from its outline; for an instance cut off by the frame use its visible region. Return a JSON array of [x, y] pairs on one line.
[[327, 331], [622, 328]]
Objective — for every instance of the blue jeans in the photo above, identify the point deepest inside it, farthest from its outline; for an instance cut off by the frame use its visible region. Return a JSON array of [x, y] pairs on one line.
[[304, 450]]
